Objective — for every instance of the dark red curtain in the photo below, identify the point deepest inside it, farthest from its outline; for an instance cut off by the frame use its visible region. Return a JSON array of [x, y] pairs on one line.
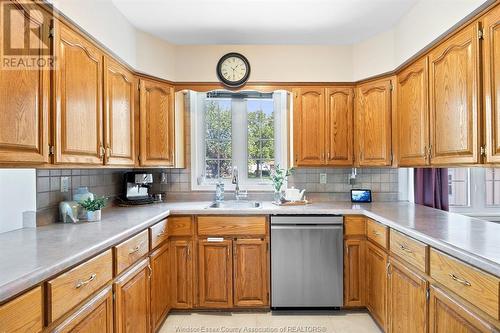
[[431, 187]]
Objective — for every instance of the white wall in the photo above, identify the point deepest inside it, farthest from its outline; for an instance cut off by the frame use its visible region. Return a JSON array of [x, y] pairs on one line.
[[17, 199], [154, 56], [373, 56]]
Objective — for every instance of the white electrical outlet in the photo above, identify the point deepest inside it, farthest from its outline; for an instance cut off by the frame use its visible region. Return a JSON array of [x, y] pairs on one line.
[[64, 184], [322, 178]]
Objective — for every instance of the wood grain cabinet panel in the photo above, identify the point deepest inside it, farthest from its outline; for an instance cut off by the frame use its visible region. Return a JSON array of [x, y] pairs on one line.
[[24, 92], [132, 300], [376, 285], [377, 233], [354, 273], [354, 226], [413, 114], [180, 226], [158, 234], [23, 314], [130, 251], [95, 316], [407, 300], [232, 225], [448, 315], [309, 126], [78, 99], [339, 122], [69, 289], [182, 273], [251, 276], [491, 86], [215, 273], [119, 104], [156, 123], [373, 123], [160, 285], [454, 100], [409, 250]]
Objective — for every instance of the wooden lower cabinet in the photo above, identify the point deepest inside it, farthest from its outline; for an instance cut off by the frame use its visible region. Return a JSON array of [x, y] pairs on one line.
[[407, 300], [182, 273], [95, 316], [23, 314], [160, 286], [354, 273], [215, 280], [376, 285], [251, 273], [448, 315], [132, 299]]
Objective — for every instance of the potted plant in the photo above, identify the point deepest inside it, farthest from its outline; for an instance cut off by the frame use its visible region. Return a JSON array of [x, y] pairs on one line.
[[278, 177], [93, 208]]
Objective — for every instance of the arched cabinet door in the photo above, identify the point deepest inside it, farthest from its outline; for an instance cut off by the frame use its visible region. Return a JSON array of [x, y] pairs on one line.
[[156, 124], [339, 126], [78, 99]]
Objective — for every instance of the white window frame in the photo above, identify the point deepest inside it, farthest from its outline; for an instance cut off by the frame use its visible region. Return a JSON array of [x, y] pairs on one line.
[[239, 125]]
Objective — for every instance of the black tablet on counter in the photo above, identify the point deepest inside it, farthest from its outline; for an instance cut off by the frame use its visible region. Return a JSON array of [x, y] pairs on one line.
[[361, 195]]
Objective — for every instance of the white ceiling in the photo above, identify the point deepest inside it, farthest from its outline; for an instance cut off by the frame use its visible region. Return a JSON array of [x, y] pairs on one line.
[[264, 21]]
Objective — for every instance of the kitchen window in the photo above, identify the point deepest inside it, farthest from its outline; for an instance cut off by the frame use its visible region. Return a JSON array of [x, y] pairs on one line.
[[244, 130]]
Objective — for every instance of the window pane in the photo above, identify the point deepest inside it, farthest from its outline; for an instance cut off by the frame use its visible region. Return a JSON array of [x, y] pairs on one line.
[[492, 183], [211, 169], [458, 187]]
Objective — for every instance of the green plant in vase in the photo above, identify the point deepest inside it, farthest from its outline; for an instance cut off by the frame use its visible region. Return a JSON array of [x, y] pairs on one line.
[[93, 207], [279, 177]]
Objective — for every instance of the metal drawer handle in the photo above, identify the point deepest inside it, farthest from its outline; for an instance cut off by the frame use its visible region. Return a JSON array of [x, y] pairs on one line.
[[137, 248], [459, 280], [377, 233], [81, 283], [405, 248], [161, 233]]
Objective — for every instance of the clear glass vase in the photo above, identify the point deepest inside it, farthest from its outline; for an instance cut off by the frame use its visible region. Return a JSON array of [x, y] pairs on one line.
[[277, 196]]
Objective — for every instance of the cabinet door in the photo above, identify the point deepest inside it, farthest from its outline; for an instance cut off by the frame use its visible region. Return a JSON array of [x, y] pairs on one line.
[[376, 285], [215, 274], [118, 114], [95, 316], [182, 274], [453, 81], [24, 92], [373, 122], [407, 300], [156, 123], [160, 285], [132, 301], [78, 99], [309, 126], [448, 315], [339, 130], [251, 279], [413, 113], [491, 62], [24, 313], [354, 273]]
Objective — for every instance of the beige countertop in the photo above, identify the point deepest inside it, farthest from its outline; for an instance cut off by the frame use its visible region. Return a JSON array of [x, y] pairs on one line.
[[30, 256]]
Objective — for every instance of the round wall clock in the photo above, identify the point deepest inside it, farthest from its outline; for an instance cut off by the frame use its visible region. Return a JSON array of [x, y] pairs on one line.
[[233, 69]]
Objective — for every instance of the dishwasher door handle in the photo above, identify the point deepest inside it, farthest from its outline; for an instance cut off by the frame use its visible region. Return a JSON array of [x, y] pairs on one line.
[[307, 227]]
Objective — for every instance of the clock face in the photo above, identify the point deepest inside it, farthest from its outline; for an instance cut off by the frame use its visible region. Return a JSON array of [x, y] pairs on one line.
[[233, 69]]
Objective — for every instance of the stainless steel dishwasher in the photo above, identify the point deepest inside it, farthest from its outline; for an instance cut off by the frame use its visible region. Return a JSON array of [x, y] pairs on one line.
[[306, 261]]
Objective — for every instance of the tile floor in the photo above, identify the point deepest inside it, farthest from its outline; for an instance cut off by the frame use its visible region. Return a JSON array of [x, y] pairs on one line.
[[267, 322]]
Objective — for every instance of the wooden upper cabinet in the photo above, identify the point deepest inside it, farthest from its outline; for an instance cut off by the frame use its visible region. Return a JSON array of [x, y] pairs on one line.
[[156, 123], [24, 92], [454, 100], [373, 123], [407, 300], [251, 276], [119, 104], [491, 76], [413, 114], [376, 283], [339, 130], [309, 126], [215, 274], [78, 99], [132, 300]]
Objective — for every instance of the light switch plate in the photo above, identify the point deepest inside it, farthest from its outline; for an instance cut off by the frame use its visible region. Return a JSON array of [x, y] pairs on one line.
[[64, 184], [322, 178]]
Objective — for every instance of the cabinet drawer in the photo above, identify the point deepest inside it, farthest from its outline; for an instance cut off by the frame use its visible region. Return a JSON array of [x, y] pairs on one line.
[[478, 287], [231, 225], [409, 249], [70, 288], [23, 314], [354, 226], [377, 233], [180, 226], [131, 250], [158, 234]]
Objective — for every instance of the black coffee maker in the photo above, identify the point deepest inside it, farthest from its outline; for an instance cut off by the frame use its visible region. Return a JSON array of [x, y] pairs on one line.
[[137, 187]]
